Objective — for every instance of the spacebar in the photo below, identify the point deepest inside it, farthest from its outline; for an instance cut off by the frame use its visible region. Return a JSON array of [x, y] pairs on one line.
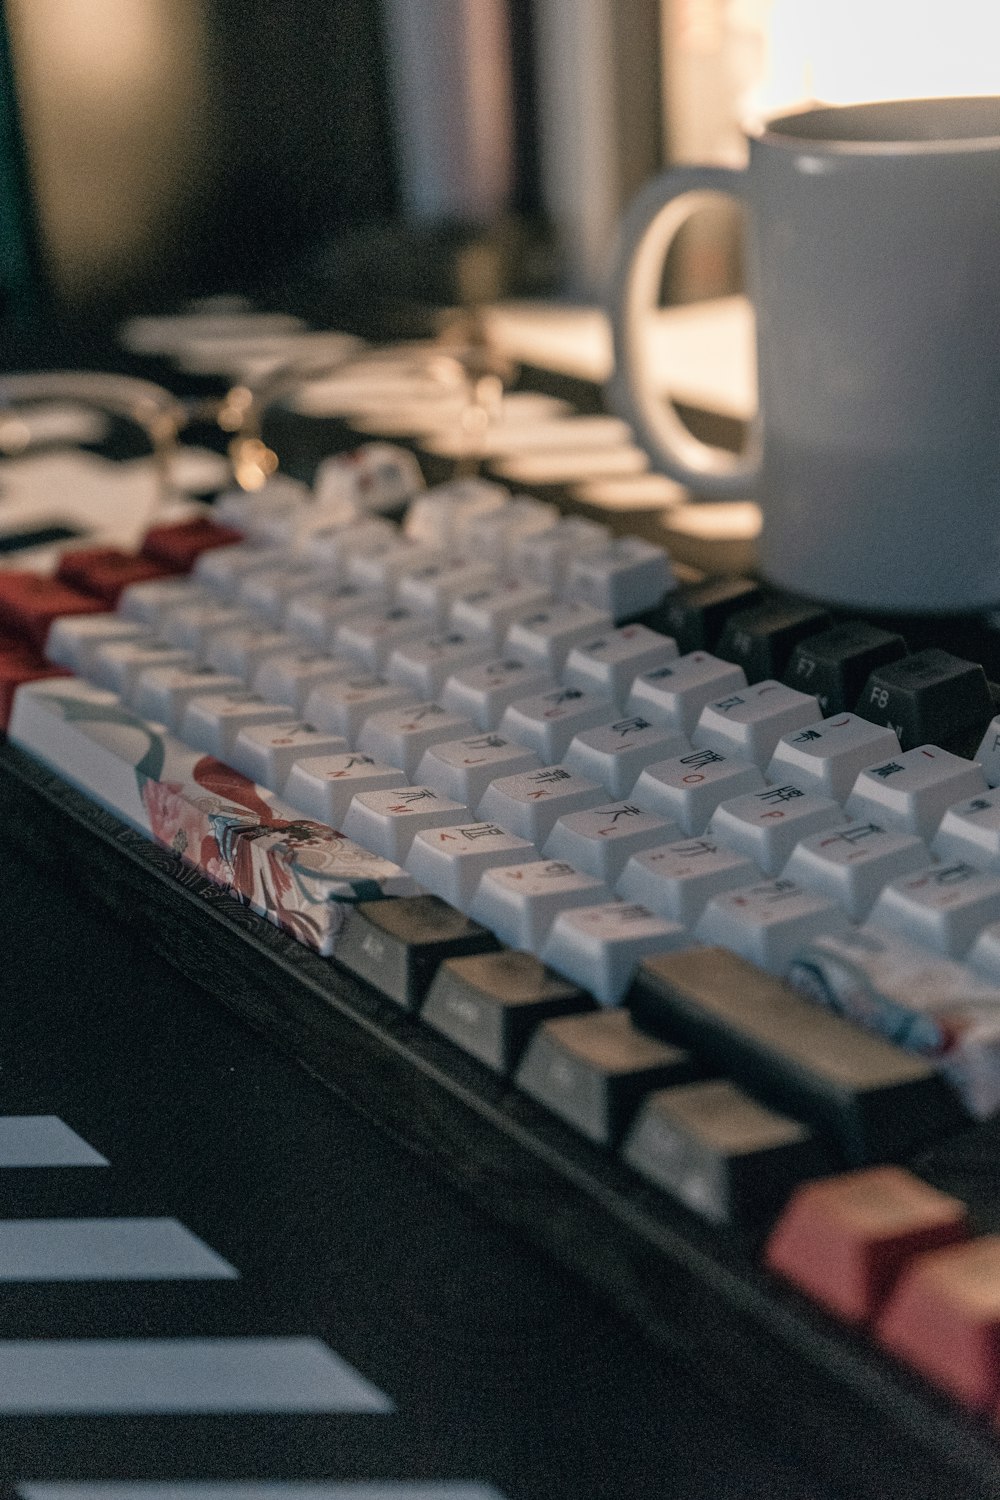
[[292, 870]]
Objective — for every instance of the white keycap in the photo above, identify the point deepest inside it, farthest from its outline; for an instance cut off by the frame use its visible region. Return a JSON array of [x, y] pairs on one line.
[[267, 752], [531, 803], [750, 722], [851, 864], [314, 616], [436, 515], [688, 788], [344, 705], [73, 640], [163, 693], [495, 533], [826, 758], [548, 635], [290, 676], [267, 594], [484, 691], [242, 650], [432, 590], [766, 826], [332, 548], [768, 922], [450, 862], [600, 947], [118, 665], [463, 769], [425, 664], [971, 831], [676, 693], [628, 576], [212, 721], [609, 663], [988, 754], [249, 513], [383, 570], [193, 627], [678, 879], [375, 476], [602, 840], [616, 754], [520, 902], [945, 907], [221, 570], [324, 786], [546, 557], [913, 790], [984, 955], [547, 722], [387, 822], [490, 612], [399, 736], [369, 638], [147, 603]]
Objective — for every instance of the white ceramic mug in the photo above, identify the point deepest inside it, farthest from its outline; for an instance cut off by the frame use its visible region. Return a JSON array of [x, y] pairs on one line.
[[873, 261]]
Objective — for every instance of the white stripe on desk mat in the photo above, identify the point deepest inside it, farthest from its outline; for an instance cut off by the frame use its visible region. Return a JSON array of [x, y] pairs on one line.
[[100, 1376], [252, 1489], [105, 1250], [43, 1141]]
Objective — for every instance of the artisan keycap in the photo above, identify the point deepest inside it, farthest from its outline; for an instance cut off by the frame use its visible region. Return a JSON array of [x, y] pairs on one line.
[[851, 864], [678, 879], [212, 721], [105, 572], [163, 693], [520, 902], [29, 604], [875, 1100], [547, 722], [74, 640], [147, 603], [602, 839], [761, 640], [547, 636], [835, 665], [721, 1153], [844, 1242], [943, 1319], [290, 676], [616, 754], [463, 769], [912, 791], [827, 758], [324, 786], [675, 695], [398, 945], [765, 826], [749, 723], [696, 615], [490, 1003], [387, 822], [180, 543], [399, 736], [531, 803], [608, 664], [592, 1071], [267, 752], [342, 706], [625, 578], [943, 906], [424, 665], [601, 946], [688, 788], [484, 691], [451, 861], [930, 696]]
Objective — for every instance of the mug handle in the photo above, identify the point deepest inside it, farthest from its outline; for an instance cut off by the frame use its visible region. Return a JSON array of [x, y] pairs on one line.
[[647, 230]]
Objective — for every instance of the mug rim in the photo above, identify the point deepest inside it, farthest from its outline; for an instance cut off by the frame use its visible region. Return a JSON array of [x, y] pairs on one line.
[[765, 130]]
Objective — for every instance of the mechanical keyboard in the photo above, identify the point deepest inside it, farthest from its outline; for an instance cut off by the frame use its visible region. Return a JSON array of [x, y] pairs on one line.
[[664, 916]]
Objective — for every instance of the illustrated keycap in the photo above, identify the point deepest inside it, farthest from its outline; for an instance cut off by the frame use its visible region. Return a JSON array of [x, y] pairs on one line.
[[424, 665], [342, 706], [432, 589], [163, 693], [212, 721], [267, 753], [546, 556], [242, 650], [119, 665], [290, 676], [74, 640], [315, 615], [398, 945]]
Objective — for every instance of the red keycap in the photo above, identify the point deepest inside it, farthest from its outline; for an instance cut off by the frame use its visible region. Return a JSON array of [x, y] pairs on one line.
[[844, 1241], [19, 663], [105, 572], [178, 546], [943, 1319], [29, 604]]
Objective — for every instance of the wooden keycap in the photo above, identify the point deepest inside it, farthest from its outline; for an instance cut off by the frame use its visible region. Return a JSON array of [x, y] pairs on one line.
[[180, 544], [943, 1319], [29, 603], [845, 1241], [105, 572]]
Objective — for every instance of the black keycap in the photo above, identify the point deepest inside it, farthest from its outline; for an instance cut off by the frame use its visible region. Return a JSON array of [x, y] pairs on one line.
[[930, 697], [835, 665], [721, 1153], [761, 640], [490, 1003], [876, 1101], [695, 615], [594, 1069], [398, 944]]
